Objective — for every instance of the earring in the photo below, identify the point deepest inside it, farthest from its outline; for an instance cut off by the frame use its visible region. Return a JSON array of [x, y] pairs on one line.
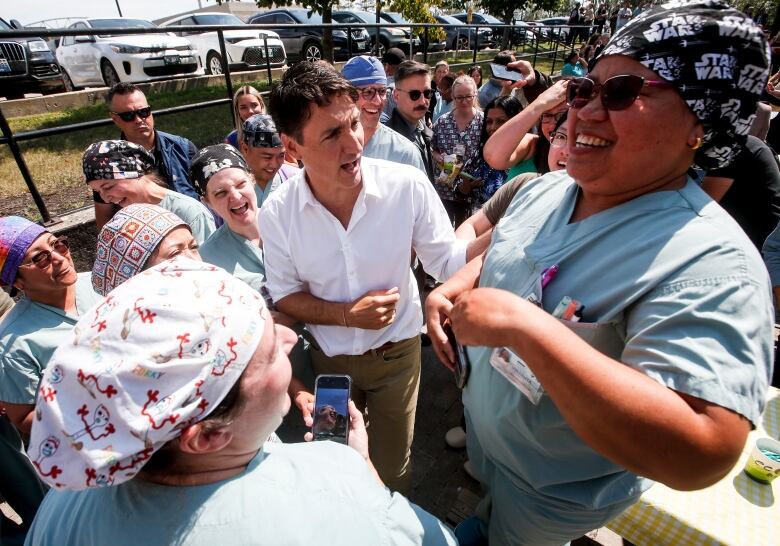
[[696, 145]]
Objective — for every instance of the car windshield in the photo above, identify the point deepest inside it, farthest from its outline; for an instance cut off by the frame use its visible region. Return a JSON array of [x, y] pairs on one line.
[[393, 17], [218, 19], [4, 25], [493, 20], [119, 23], [313, 18], [449, 20]]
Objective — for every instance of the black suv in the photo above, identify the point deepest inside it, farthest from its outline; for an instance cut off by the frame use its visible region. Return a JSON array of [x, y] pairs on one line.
[[400, 37], [305, 43], [26, 65]]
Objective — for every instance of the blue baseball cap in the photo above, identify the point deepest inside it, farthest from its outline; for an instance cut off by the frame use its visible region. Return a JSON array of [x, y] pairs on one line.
[[364, 70]]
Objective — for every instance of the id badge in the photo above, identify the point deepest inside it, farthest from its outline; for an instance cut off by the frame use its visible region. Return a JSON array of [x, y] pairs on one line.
[[517, 372], [460, 150]]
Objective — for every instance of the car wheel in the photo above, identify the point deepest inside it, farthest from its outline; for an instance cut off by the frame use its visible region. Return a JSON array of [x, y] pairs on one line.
[[110, 77], [463, 43], [214, 64], [67, 82], [312, 51]]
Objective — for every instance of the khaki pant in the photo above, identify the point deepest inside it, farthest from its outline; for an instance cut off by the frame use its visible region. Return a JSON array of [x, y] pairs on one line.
[[384, 386]]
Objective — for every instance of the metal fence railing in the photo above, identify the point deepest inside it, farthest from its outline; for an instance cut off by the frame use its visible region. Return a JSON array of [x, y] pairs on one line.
[[519, 37]]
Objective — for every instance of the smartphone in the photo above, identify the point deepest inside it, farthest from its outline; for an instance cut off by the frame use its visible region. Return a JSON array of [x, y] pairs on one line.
[[462, 362], [331, 412], [503, 73]]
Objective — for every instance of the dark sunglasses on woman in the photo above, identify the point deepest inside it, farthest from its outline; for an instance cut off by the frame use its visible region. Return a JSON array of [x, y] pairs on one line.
[[42, 259], [142, 113], [617, 92]]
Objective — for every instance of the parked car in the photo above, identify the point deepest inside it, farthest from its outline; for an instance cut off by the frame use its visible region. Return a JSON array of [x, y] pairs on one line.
[[245, 48], [459, 36], [26, 65], [107, 59], [392, 17], [560, 33], [399, 37], [305, 43]]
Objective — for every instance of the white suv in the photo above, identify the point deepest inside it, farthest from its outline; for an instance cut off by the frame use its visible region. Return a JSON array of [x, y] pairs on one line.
[[245, 48], [107, 59]]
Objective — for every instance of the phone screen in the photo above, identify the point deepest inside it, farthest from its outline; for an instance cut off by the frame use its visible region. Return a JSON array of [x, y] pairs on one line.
[[331, 414], [462, 363], [503, 73]]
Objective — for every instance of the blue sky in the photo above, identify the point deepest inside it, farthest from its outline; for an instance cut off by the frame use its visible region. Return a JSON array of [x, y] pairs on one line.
[[34, 10]]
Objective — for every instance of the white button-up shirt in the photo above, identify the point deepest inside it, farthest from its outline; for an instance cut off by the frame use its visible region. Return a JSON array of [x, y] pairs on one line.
[[308, 250]]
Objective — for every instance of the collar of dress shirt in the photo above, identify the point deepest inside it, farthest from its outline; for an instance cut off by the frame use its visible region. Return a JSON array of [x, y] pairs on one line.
[[306, 196]]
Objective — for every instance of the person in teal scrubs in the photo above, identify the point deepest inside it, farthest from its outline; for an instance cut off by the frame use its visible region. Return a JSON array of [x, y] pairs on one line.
[[622, 328], [124, 173], [264, 152], [225, 181], [39, 264]]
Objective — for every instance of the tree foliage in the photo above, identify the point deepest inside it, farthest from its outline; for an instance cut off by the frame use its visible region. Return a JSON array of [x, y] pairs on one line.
[[418, 11]]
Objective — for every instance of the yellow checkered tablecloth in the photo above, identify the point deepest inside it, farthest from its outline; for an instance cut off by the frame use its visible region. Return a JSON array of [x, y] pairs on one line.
[[736, 511]]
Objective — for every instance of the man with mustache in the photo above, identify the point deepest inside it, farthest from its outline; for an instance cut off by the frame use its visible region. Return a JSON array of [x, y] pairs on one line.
[[412, 96]]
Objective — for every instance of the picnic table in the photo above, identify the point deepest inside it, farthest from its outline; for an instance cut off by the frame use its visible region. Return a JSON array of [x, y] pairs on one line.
[[736, 511]]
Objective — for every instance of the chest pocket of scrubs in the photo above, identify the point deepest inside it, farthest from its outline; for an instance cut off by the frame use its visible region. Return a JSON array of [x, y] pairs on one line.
[[602, 336]]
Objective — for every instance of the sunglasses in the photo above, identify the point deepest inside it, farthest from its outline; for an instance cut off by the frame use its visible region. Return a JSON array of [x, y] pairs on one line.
[[42, 259], [552, 118], [617, 92], [142, 113], [415, 94], [368, 93]]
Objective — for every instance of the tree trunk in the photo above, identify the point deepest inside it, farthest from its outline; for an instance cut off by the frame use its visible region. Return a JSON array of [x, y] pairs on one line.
[[327, 35], [506, 40]]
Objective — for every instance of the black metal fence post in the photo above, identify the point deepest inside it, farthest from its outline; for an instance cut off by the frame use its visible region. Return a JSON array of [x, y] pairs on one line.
[[476, 45], [349, 42], [226, 69], [25, 172], [555, 56], [267, 59], [426, 45]]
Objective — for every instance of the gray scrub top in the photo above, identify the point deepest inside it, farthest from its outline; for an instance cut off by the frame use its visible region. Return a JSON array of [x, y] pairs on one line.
[[196, 215], [236, 255], [672, 287], [307, 494], [29, 334], [392, 146]]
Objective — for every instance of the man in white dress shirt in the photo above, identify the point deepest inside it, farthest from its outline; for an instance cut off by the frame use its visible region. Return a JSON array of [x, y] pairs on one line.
[[338, 239]]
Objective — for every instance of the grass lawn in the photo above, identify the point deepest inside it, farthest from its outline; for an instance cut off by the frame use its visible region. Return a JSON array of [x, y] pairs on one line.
[[55, 162]]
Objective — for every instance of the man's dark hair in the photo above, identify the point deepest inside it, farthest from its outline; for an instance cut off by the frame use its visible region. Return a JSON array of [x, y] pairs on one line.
[[393, 56], [122, 88], [408, 69], [504, 57], [304, 84]]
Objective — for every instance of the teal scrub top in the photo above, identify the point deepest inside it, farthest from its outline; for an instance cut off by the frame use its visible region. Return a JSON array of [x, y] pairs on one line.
[[29, 334], [196, 215], [307, 494], [262, 194], [672, 287], [236, 255], [526, 166]]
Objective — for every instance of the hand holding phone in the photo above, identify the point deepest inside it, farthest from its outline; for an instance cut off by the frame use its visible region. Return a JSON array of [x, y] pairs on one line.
[[331, 408], [501, 72]]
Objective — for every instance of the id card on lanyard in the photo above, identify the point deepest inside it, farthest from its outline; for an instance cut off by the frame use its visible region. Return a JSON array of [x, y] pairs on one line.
[[509, 364]]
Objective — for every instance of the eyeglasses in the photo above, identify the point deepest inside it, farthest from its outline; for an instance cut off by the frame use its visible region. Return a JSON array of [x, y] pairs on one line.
[[552, 118], [617, 92], [464, 97], [415, 94], [558, 139], [142, 113], [368, 93], [42, 259]]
